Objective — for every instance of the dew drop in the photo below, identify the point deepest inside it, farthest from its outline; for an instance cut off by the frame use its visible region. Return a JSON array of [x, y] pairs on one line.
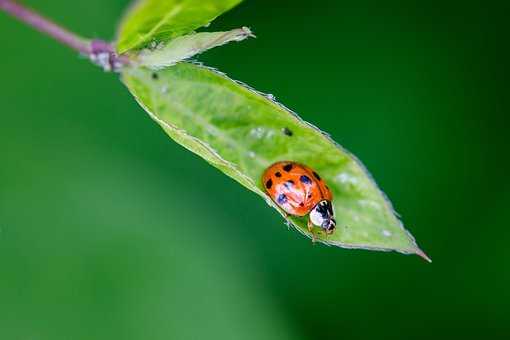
[[346, 178], [369, 204], [257, 132]]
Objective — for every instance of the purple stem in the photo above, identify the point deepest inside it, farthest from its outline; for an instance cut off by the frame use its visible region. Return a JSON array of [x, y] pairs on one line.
[[99, 51], [46, 26]]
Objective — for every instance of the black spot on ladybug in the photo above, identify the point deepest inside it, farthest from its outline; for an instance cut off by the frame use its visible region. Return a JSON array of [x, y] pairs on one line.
[[305, 179], [281, 199], [287, 167], [288, 132], [316, 175], [155, 76], [269, 183], [301, 204], [309, 195], [278, 174]]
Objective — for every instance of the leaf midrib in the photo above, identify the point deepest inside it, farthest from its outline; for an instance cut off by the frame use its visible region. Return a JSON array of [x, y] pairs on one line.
[[163, 21], [263, 162]]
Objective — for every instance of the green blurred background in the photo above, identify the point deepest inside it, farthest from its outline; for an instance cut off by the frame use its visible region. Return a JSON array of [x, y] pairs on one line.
[[109, 230]]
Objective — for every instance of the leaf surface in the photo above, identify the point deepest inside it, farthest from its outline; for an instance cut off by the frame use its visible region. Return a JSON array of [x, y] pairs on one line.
[[187, 46], [242, 132], [157, 21]]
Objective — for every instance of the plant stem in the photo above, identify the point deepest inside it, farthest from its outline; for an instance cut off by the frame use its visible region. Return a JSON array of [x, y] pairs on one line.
[[99, 51], [46, 26]]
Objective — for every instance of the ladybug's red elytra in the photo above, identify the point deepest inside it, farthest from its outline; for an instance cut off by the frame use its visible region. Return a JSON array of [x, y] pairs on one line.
[[299, 191]]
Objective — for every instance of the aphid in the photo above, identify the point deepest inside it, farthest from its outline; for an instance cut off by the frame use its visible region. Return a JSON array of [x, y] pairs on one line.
[[288, 132], [300, 191]]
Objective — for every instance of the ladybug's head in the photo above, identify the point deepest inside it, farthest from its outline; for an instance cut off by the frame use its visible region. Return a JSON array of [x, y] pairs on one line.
[[322, 215]]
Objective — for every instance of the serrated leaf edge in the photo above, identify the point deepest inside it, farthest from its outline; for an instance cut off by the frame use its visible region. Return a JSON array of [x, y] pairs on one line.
[[415, 249]]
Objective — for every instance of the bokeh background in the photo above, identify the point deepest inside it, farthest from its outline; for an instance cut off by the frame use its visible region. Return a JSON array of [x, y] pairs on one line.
[[109, 230]]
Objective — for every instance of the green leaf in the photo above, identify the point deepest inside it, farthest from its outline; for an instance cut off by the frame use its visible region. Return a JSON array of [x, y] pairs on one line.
[[242, 132], [161, 20], [187, 46]]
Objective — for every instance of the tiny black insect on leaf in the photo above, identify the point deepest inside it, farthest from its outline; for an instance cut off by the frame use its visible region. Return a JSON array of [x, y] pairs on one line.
[[288, 132]]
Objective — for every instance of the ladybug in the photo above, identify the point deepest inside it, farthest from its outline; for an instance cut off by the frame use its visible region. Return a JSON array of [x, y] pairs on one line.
[[300, 191]]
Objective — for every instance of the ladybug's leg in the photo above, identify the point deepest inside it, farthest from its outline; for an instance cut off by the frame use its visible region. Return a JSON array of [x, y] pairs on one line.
[[310, 229]]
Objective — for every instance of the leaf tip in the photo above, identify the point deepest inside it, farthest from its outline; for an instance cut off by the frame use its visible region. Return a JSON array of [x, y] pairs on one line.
[[248, 32], [422, 254]]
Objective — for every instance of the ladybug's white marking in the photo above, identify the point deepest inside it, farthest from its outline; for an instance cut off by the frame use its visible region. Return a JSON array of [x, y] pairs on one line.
[[316, 217]]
